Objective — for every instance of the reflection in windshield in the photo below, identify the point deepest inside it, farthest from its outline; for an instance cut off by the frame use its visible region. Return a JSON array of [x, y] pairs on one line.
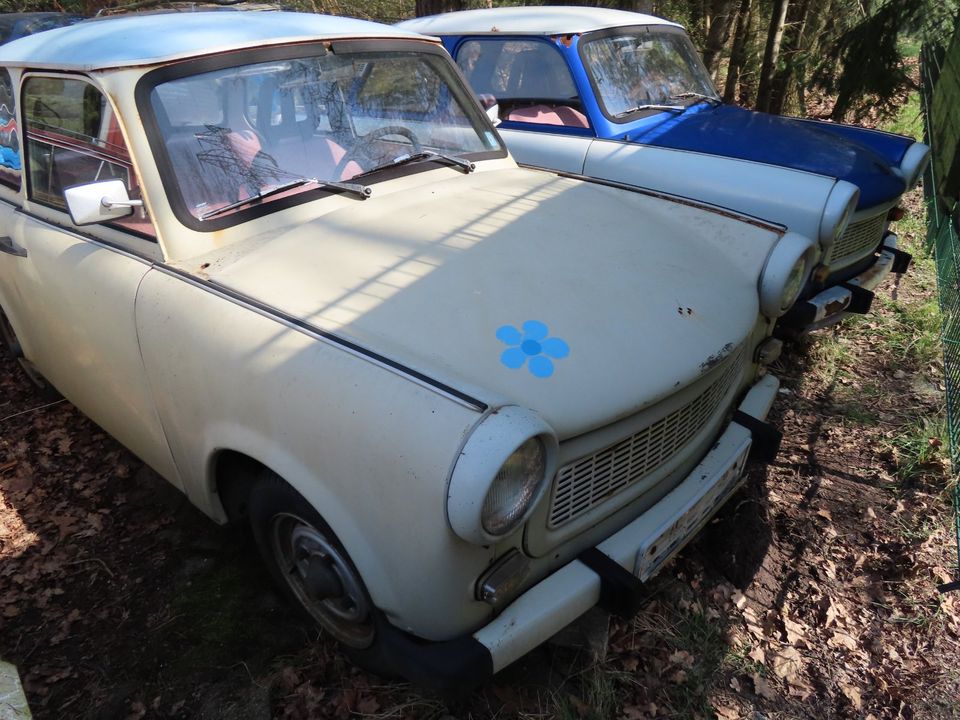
[[236, 133], [636, 68]]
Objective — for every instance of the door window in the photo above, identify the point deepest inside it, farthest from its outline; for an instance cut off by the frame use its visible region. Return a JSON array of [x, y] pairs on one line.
[[73, 138]]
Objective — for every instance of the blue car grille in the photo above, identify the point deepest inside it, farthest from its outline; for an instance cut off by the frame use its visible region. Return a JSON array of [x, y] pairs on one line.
[[585, 483]]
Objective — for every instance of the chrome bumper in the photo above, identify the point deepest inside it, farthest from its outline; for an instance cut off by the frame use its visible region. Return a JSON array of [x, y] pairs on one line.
[[568, 593]]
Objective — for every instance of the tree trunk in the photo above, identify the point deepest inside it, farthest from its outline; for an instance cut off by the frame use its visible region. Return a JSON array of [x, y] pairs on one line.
[[738, 53], [790, 53], [771, 52], [753, 52], [720, 20], [433, 7]]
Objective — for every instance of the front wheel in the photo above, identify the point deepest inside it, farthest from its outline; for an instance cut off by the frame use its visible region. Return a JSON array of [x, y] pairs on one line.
[[310, 565]]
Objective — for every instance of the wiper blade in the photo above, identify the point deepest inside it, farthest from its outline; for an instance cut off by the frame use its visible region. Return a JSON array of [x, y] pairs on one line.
[[654, 106], [712, 99], [361, 191], [467, 166]]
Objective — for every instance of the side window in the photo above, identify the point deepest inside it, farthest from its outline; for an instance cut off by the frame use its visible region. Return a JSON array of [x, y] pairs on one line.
[[9, 134], [72, 138], [516, 69], [529, 79]]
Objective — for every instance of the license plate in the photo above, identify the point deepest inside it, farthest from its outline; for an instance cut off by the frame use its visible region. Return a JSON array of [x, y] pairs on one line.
[[676, 531]]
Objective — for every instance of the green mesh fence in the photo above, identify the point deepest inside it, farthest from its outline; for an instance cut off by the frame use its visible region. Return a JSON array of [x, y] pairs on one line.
[[942, 238]]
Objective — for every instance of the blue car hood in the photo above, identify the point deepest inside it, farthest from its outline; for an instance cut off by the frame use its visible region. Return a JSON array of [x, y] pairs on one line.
[[863, 157]]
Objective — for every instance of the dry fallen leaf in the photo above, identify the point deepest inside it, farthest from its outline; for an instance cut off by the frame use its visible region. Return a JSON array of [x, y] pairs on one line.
[[762, 688], [786, 663]]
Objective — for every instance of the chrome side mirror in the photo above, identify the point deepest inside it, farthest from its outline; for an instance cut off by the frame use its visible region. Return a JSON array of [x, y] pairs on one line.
[[99, 202]]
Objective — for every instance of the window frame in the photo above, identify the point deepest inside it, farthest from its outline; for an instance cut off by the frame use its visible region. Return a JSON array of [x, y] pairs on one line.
[[102, 154]]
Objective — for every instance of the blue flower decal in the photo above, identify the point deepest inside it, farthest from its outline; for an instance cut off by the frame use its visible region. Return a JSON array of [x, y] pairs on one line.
[[531, 346]]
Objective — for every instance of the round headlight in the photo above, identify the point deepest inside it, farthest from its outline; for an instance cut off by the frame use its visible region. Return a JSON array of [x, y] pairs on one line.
[[513, 488], [785, 273], [794, 284], [837, 211], [914, 163], [500, 474]]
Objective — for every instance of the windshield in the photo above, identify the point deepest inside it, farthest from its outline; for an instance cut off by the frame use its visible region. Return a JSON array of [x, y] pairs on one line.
[[634, 67], [281, 127]]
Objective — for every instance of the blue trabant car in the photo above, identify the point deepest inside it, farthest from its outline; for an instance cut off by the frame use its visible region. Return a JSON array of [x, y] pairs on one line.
[[624, 97]]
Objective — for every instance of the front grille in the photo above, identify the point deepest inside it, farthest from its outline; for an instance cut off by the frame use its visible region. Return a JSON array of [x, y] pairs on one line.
[[857, 240], [585, 483]]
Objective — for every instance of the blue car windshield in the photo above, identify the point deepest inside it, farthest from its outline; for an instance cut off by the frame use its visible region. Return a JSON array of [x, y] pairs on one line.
[[631, 68]]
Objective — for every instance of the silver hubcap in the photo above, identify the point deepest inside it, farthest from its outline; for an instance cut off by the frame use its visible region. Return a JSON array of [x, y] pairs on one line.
[[322, 579]]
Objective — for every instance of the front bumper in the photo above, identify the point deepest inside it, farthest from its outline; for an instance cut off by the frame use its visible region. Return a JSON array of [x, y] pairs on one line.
[[853, 296], [562, 597]]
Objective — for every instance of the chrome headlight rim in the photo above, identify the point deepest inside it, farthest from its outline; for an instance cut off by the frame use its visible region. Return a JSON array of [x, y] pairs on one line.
[[785, 273], [490, 445], [838, 211]]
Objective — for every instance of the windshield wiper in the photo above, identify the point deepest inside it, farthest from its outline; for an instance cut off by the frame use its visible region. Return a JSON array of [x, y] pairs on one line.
[[423, 156], [712, 99], [361, 191], [654, 106]]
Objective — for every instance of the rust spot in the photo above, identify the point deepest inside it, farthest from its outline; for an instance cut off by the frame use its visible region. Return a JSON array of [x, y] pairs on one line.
[[205, 266], [835, 307], [715, 359]]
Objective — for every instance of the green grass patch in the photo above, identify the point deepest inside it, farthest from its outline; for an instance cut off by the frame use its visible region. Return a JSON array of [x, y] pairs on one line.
[[919, 448], [909, 118]]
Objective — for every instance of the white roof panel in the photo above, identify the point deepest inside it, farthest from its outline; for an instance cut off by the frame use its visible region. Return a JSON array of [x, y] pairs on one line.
[[148, 39], [532, 20]]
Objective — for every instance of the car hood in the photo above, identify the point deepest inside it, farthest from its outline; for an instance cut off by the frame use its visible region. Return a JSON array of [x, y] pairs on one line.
[[865, 158], [583, 302]]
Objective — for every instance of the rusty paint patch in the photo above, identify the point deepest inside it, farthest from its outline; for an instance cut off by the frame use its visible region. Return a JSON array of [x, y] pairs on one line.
[[717, 358], [837, 306]]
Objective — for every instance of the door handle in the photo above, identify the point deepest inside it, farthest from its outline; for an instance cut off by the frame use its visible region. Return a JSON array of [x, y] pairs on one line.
[[8, 246]]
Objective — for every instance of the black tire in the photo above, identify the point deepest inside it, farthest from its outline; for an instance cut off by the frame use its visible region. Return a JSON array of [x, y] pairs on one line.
[[8, 339], [303, 555]]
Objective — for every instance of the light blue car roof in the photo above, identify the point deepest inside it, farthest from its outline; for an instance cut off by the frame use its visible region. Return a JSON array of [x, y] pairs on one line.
[[150, 39], [533, 20]]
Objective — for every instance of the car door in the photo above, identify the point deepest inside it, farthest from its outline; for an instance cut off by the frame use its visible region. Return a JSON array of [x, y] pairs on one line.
[[75, 287]]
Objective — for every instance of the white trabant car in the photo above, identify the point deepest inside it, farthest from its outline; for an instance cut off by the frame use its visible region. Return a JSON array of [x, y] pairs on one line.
[[287, 261]]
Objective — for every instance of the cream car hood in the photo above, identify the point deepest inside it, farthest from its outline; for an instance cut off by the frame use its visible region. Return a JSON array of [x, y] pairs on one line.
[[638, 296]]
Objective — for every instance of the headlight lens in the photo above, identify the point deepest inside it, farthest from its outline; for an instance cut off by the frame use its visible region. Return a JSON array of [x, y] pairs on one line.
[[513, 488], [784, 274], [794, 284]]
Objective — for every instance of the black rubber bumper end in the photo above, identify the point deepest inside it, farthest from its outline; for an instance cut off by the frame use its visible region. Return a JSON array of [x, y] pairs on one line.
[[799, 316], [766, 438], [449, 666], [901, 260], [621, 592], [860, 299]]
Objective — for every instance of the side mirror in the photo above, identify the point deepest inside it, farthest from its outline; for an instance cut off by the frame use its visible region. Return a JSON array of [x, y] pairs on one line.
[[99, 201]]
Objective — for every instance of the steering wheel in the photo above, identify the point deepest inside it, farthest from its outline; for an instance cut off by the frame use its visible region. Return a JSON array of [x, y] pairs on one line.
[[360, 150]]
